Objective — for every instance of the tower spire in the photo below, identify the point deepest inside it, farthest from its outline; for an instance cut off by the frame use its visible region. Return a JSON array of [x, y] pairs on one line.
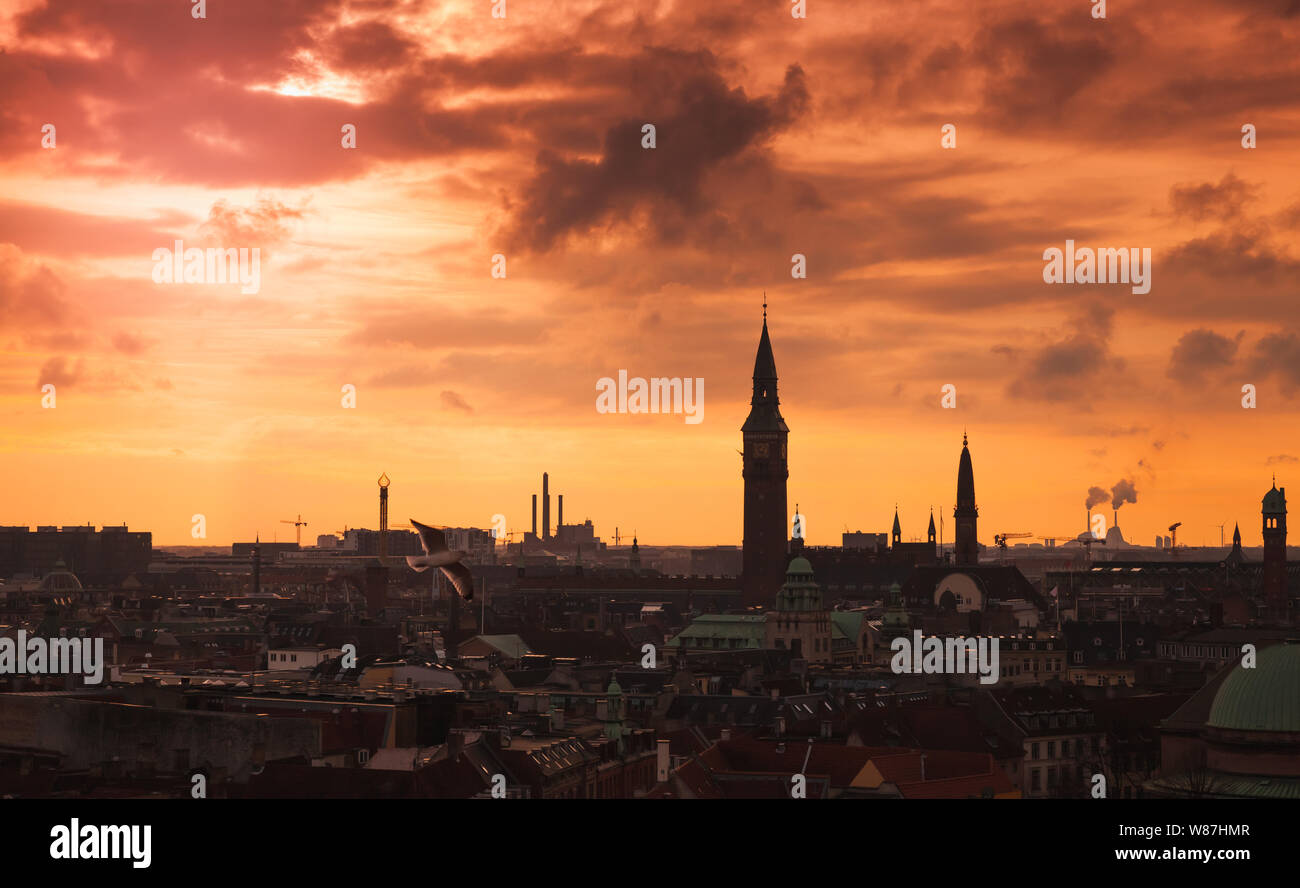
[[966, 551], [765, 471]]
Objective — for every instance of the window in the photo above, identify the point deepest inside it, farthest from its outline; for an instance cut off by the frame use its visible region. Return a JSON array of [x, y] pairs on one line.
[[1033, 752], [1035, 780], [1051, 749]]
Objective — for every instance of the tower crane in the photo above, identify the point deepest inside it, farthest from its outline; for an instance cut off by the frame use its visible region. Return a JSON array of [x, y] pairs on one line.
[[297, 526], [1000, 540]]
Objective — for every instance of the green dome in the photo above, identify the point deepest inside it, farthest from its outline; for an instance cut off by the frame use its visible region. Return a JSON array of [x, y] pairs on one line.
[[799, 566], [1266, 698]]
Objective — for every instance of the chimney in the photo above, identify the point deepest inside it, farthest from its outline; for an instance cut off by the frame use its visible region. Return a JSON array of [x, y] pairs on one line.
[[557, 718], [726, 734], [780, 726], [546, 506], [534, 514], [661, 761], [559, 516], [826, 729]]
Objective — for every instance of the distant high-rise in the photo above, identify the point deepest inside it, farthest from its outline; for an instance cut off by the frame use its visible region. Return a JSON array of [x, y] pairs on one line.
[[966, 550], [765, 470], [1274, 576]]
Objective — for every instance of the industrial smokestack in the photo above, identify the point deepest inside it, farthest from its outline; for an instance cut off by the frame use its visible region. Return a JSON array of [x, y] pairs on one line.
[[546, 506], [534, 514], [559, 515]]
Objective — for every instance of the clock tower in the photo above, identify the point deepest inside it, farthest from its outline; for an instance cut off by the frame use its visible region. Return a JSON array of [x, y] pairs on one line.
[[765, 470]]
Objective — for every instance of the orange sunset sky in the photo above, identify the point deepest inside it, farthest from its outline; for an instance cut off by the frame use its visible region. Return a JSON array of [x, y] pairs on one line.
[[521, 135]]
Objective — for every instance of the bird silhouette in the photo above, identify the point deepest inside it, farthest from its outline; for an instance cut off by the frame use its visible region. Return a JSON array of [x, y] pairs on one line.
[[436, 554]]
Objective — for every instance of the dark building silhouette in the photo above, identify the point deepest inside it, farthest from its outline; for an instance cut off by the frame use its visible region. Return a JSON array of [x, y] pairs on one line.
[[1236, 557], [101, 555], [1274, 579], [546, 506], [911, 553], [765, 470], [967, 549]]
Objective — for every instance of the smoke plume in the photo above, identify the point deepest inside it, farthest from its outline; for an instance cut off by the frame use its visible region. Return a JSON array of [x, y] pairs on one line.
[[1095, 495], [1123, 492]]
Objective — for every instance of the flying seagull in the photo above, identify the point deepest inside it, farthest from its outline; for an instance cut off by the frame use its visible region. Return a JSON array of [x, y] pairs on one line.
[[436, 554]]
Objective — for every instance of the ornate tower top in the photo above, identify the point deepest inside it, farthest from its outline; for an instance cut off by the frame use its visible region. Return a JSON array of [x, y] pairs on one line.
[[764, 413]]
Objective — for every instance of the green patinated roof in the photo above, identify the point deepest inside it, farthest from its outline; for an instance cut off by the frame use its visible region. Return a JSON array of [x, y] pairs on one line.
[[799, 565], [1266, 698], [848, 623], [1232, 786], [725, 626]]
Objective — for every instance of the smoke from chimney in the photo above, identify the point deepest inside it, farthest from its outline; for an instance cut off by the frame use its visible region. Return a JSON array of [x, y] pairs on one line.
[[1095, 495], [1123, 492]]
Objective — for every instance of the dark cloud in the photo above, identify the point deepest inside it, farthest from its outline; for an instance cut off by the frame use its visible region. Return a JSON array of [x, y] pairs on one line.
[[1069, 368], [1206, 201], [700, 123], [60, 372], [130, 344], [453, 401], [1199, 351], [1034, 69], [1277, 356]]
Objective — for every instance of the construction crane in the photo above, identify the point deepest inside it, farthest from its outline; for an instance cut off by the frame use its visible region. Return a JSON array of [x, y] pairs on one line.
[[1173, 530], [297, 526], [1000, 540]]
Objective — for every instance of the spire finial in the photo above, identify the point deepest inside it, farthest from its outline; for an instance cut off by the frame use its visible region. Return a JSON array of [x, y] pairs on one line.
[[963, 436], [764, 306]]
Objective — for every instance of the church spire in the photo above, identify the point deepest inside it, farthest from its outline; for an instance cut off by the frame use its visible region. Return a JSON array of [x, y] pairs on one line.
[[967, 545]]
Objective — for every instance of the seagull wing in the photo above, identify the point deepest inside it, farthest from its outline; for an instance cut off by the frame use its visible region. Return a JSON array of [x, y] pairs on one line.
[[461, 578], [433, 539]]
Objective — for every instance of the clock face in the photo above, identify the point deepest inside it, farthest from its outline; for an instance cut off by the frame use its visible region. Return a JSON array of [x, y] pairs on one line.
[[760, 450]]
